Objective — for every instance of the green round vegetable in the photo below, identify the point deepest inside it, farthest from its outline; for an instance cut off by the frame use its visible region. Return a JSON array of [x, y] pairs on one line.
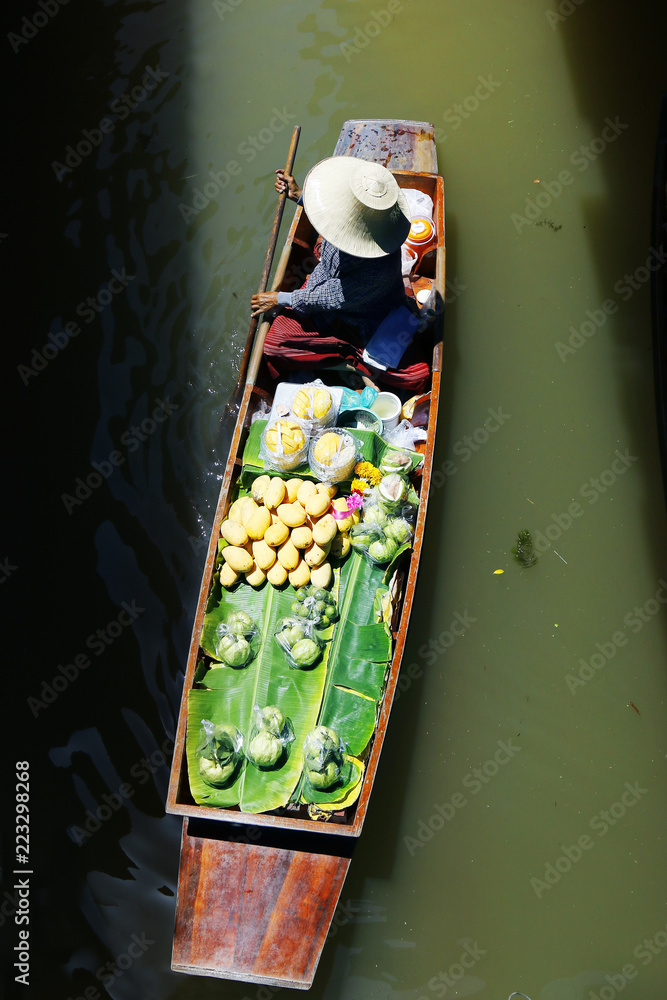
[[398, 529], [383, 552], [292, 634], [214, 773], [374, 515], [326, 778], [265, 750], [234, 650], [272, 720], [305, 652], [239, 622]]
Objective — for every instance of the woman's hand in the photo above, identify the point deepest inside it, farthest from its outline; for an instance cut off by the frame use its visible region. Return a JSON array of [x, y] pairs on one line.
[[262, 302], [285, 182]]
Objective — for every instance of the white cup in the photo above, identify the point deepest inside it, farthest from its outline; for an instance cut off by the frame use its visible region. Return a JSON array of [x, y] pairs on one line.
[[387, 407]]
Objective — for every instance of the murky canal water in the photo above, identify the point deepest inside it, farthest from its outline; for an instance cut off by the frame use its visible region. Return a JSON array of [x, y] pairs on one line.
[[515, 838]]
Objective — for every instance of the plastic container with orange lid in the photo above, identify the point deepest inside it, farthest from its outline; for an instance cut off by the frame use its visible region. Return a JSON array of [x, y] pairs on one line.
[[422, 232]]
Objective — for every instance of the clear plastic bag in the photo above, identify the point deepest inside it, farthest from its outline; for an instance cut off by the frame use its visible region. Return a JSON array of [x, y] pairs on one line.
[[315, 604], [324, 756], [236, 639], [372, 540], [271, 735], [314, 406], [220, 753], [284, 444], [299, 641], [405, 435], [400, 528], [419, 203], [332, 455]]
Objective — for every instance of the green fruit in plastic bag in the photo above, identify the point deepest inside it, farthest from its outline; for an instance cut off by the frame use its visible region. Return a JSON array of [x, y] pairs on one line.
[[305, 652], [326, 778], [265, 750], [239, 622], [234, 650]]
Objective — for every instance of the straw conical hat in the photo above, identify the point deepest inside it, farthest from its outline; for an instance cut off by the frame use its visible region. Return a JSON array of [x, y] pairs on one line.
[[357, 206]]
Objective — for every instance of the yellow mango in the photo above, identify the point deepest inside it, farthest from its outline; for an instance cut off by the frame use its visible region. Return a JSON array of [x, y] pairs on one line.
[[235, 512], [343, 523], [256, 576], [327, 488], [302, 537], [292, 514], [289, 555], [320, 576], [307, 490], [263, 554], [300, 576], [239, 559], [292, 486], [228, 576], [316, 554], [258, 523], [276, 534], [340, 547], [248, 510], [325, 530], [318, 504], [258, 488], [277, 575], [275, 493], [234, 533]]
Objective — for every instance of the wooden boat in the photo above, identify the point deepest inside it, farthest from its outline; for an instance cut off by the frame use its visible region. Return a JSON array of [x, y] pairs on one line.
[[659, 288], [257, 891]]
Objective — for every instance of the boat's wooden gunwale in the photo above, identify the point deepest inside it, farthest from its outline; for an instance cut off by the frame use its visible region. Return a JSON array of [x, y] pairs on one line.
[[179, 800]]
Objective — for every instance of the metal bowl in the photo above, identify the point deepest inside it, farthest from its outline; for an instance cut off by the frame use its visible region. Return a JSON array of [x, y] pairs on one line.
[[361, 418]]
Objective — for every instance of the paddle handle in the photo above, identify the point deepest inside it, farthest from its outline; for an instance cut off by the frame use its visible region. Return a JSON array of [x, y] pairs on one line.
[[268, 261]]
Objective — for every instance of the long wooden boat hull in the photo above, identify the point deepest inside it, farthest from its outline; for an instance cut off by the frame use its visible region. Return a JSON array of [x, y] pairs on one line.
[[257, 893]]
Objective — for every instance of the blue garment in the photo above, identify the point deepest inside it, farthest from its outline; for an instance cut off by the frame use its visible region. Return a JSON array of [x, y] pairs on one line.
[[358, 290]]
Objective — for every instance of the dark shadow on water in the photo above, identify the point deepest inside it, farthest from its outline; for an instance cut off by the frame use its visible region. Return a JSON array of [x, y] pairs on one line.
[[618, 67]]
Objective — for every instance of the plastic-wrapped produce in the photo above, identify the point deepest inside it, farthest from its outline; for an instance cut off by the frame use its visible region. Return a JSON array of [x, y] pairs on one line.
[[237, 639], [220, 753], [324, 754], [299, 641], [284, 445], [332, 455], [270, 737]]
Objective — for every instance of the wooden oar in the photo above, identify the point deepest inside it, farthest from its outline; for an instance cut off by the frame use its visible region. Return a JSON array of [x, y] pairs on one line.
[[233, 404]]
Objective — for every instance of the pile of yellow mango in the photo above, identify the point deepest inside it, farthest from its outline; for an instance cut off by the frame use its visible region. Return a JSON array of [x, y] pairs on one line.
[[285, 531]]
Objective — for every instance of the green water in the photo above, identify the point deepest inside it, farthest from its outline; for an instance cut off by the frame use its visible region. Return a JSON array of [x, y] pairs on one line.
[[515, 835], [530, 93]]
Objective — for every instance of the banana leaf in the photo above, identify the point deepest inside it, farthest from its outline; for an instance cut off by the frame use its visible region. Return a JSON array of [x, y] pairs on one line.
[[267, 680], [346, 800], [353, 691], [350, 779], [218, 707], [371, 446], [342, 691]]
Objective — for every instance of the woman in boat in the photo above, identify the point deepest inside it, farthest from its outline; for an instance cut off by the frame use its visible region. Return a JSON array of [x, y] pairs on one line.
[[363, 219]]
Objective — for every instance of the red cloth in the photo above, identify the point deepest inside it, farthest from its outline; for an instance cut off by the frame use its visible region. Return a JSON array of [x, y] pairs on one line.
[[293, 344]]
